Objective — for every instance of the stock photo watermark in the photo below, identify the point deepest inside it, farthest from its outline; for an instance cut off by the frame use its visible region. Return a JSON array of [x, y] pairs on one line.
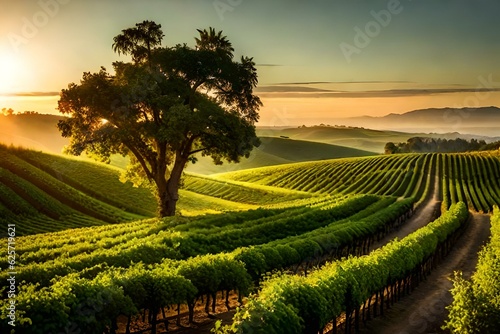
[[31, 25], [372, 29], [456, 116], [11, 281], [223, 6]]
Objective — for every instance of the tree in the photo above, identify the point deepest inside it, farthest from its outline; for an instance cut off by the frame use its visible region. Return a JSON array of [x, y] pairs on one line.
[[390, 148], [165, 106], [7, 112], [139, 41]]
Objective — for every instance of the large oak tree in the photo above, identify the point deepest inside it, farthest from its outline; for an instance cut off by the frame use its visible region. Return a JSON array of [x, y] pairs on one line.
[[165, 106]]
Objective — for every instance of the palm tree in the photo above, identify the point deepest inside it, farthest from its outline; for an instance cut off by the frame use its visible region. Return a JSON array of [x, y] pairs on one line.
[[212, 41], [139, 41]]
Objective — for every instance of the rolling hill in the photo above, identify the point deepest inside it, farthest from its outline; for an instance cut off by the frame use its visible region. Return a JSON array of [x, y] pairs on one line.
[[44, 192], [292, 218], [357, 137], [36, 131], [279, 145], [276, 151], [40, 132]]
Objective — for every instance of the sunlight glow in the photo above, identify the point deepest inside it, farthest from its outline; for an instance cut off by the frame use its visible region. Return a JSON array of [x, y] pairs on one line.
[[11, 71]]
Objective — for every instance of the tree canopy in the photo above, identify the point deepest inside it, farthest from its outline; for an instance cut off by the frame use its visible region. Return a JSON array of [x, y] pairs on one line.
[[165, 106], [439, 145]]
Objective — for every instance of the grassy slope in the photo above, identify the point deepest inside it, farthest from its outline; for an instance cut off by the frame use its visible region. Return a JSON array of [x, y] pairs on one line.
[[40, 132], [276, 151], [359, 138], [364, 139], [43, 192], [34, 131]]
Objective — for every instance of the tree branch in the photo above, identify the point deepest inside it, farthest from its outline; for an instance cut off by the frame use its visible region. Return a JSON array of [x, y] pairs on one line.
[[185, 151], [141, 160], [198, 150], [196, 85]]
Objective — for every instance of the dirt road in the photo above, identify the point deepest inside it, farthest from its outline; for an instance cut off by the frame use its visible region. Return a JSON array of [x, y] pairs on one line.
[[424, 310], [428, 211]]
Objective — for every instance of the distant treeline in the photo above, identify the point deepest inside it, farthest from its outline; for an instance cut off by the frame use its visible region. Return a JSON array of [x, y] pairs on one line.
[[438, 145]]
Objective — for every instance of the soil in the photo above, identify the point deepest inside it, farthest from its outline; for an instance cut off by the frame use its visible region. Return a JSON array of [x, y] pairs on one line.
[[424, 310], [202, 323], [427, 211]]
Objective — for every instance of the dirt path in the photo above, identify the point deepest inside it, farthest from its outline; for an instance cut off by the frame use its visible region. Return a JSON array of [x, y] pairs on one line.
[[424, 310], [428, 211]]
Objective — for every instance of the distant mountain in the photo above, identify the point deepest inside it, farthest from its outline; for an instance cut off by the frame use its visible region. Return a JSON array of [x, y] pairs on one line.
[[451, 115], [480, 121]]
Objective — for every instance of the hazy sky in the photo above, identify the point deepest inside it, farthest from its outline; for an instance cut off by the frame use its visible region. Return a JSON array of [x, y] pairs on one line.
[[410, 45]]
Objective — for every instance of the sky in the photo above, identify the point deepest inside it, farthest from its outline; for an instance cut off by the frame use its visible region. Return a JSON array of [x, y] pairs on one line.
[[317, 60]]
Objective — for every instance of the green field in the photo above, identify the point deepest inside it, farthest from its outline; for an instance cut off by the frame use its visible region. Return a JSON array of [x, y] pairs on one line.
[[276, 151], [114, 259], [43, 192]]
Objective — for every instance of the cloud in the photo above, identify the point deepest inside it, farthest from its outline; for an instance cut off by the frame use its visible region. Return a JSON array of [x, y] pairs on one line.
[[340, 82], [299, 91], [289, 89], [31, 94], [268, 65]]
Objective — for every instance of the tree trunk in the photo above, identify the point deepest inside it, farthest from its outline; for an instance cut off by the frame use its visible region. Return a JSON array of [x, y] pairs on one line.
[[168, 191], [153, 320], [129, 321], [191, 311], [166, 204], [178, 321], [227, 301]]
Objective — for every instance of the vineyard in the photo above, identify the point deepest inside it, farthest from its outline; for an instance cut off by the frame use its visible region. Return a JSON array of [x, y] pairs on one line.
[[290, 244], [476, 306], [45, 193]]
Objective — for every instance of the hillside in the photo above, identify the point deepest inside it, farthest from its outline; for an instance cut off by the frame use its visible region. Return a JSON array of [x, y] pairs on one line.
[[276, 151], [356, 137], [308, 213], [43, 192], [40, 132], [33, 131], [279, 145]]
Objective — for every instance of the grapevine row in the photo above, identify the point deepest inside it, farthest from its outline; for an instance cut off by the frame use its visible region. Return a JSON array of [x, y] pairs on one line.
[[476, 302], [298, 304], [125, 291]]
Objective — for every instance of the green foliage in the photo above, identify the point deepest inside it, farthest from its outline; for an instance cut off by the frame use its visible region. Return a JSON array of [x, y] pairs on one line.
[[121, 269], [476, 302], [437, 145], [472, 178], [345, 285], [166, 106], [464, 314], [374, 175], [239, 191]]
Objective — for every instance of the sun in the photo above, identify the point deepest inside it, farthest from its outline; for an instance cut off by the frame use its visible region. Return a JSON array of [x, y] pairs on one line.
[[10, 72]]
